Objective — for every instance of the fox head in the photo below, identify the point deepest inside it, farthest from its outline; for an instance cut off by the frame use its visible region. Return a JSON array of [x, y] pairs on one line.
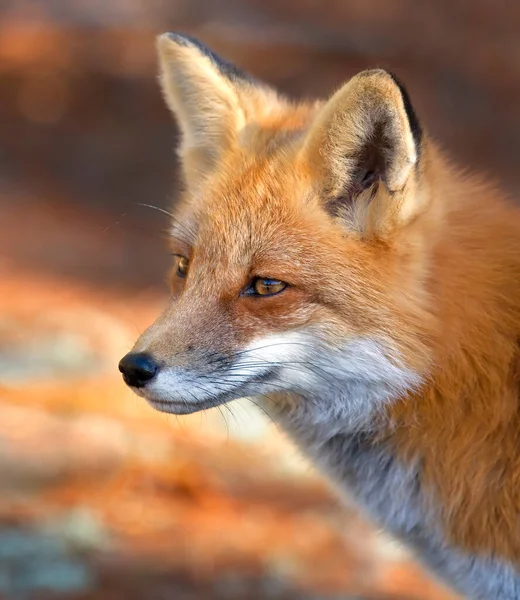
[[299, 249]]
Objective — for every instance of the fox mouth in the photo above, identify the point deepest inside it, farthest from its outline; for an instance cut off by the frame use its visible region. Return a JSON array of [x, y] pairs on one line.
[[178, 407], [183, 407], [179, 404]]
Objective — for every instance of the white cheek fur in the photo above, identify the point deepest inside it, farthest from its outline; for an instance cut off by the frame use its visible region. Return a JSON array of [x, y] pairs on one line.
[[340, 387]]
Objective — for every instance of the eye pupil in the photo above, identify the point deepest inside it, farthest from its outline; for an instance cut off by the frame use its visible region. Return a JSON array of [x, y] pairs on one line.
[[267, 287]]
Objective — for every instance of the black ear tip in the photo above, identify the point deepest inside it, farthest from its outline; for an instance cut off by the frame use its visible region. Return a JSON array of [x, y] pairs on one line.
[[181, 39], [415, 124], [226, 69]]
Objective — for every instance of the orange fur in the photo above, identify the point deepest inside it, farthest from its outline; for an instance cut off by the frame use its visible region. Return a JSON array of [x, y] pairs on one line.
[[465, 424]]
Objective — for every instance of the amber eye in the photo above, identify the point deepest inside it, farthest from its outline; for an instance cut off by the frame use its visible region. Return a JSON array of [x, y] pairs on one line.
[[266, 287], [182, 266]]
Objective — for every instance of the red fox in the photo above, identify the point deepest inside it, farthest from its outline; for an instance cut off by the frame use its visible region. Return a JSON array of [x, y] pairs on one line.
[[329, 261]]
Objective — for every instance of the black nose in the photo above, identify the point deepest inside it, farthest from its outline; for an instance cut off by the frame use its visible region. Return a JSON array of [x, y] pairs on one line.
[[137, 368]]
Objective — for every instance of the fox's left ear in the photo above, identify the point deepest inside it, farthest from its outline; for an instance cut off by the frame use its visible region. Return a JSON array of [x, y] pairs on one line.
[[363, 149], [210, 98]]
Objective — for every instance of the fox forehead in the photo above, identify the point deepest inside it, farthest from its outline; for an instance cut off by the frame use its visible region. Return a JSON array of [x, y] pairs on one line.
[[263, 217], [264, 210]]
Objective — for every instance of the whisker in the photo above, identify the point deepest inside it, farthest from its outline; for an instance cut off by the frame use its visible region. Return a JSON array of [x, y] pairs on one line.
[[185, 231], [318, 371], [261, 408], [114, 224], [246, 351], [280, 387], [169, 214], [225, 421], [228, 408], [294, 365]]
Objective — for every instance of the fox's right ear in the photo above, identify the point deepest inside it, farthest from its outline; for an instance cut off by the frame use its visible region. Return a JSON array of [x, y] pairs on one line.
[[209, 98]]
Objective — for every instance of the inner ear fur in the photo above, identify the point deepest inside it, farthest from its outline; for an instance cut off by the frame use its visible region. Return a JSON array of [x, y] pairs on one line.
[[363, 148]]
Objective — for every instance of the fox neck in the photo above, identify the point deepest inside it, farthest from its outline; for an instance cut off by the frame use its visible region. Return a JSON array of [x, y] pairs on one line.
[[392, 492], [432, 483]]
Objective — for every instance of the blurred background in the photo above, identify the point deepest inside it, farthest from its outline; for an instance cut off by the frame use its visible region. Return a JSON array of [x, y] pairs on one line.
[[100, 497]]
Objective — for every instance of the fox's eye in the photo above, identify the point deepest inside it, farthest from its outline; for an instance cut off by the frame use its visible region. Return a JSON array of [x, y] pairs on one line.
[[182, 266], [266, 287]]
